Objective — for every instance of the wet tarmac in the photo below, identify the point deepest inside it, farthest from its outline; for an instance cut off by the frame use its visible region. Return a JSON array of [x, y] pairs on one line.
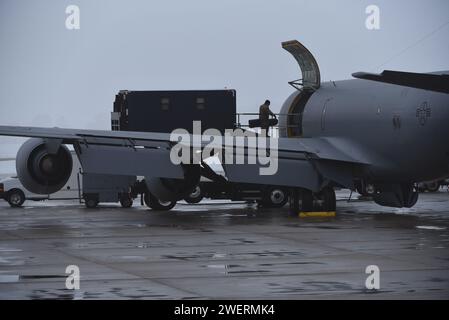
[[225, 251]]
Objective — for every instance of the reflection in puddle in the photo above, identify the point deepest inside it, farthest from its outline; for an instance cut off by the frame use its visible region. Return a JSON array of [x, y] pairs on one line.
[[430, 228], [141, 258], [10, 250], [218, 266], [227, 269], [11, 261], [9, 278]]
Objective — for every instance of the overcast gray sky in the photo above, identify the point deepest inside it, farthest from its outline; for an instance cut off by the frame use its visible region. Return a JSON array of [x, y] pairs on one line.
[[51, 76]]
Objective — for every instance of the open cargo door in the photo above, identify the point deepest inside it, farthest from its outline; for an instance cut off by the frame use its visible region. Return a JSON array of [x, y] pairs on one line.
[[311, 79]]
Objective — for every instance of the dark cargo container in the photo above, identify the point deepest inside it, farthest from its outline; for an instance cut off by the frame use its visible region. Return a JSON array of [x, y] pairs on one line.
[[165, 111]]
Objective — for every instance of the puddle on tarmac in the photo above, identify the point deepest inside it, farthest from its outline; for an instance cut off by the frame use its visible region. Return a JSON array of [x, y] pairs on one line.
[[430, 228], [6, 278], [11, 261], [310, 286], [238, 255], [10, 250], [43, 276], [121, 293], [12, 278], [229, 269], [140, 258]]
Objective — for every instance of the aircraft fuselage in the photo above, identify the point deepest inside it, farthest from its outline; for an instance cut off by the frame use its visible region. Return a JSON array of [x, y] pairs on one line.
[[401, 131]]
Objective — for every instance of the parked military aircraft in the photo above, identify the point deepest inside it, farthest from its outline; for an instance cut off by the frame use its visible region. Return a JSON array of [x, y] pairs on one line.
[[384, 131]]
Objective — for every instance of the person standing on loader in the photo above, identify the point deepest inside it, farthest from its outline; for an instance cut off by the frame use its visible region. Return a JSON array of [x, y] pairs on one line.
[[264, 117]]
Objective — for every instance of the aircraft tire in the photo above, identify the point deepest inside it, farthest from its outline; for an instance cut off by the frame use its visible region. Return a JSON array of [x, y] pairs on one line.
[[329, 199], [15, 198], [307, 200]]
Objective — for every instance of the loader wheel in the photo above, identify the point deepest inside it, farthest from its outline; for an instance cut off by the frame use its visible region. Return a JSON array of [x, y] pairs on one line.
[[15, 198], [195, 197], [275, 197], [156, 204], [433, 186], [126, 201], [91, 202]]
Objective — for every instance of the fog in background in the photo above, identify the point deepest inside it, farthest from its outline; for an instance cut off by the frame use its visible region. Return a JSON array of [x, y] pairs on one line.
[[51, 76]]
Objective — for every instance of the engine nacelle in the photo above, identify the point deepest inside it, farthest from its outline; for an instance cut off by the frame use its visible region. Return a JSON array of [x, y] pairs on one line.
[[175, 189], [41, 171], [397, 196]]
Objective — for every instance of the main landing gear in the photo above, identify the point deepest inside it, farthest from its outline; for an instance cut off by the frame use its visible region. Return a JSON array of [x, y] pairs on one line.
[[304, 202]]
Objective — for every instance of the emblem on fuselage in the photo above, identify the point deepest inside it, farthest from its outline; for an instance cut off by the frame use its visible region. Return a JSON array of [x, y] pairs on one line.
[[423, 112]]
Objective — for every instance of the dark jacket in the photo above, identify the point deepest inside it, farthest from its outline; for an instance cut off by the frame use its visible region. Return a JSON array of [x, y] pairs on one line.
[[264, 115]]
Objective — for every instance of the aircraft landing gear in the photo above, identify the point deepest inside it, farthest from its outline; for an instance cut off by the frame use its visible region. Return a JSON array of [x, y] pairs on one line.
[[329, 200], [304, 202]]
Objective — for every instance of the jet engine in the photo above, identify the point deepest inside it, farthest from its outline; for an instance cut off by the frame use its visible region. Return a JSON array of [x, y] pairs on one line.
[[175, 189], [397, 196], [41, 170]]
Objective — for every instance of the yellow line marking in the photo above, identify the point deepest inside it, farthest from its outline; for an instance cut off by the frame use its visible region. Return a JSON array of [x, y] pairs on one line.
[[317, 214]]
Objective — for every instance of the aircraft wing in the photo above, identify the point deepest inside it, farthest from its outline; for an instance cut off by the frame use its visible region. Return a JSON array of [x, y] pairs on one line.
[[426, 81], [305, 162], [72, 135]]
